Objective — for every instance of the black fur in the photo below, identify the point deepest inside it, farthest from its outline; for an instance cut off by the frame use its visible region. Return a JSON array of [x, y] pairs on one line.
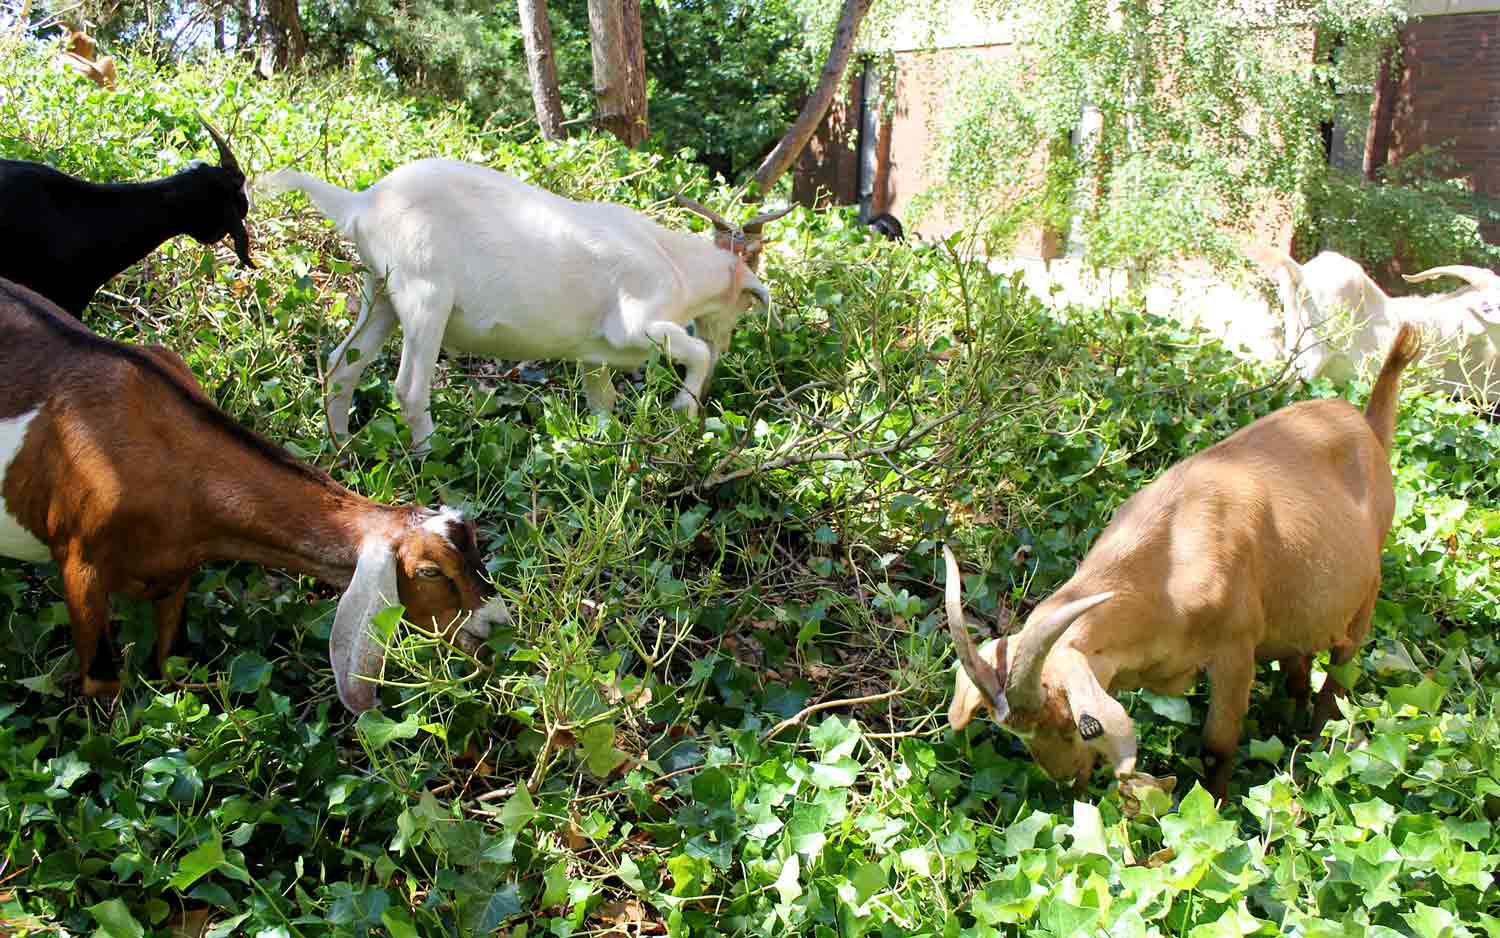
[[67, 237], [888, 225]]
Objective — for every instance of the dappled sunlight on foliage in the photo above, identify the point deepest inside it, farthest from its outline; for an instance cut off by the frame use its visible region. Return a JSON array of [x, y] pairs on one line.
[[635, 754]]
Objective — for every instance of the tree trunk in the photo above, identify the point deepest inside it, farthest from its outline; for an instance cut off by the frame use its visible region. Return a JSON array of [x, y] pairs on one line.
[[541, 65], [780, 159], [288, 39], [619, 69], [219, 30], [1382, 113]]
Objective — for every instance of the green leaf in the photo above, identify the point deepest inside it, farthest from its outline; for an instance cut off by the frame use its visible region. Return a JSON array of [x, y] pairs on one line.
[[518, 811], [380, 731], [1175, 709], [398, 922], [1088, 829], [598, 743], [1268, 750], [788, 885], [1022, 834], [836, 775], [630, 874], [868, 880], [835, 738], [556, 883], [115, 920], [66, 769], [1426, 697], [202, 860], [248, 673], [1430, 921]]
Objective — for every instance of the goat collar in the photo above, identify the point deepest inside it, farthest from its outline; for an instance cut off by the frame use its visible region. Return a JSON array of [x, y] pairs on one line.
[[737, 271]]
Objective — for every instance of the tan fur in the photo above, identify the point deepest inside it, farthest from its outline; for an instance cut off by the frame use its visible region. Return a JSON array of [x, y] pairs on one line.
[[1264, 546], [133, 478]]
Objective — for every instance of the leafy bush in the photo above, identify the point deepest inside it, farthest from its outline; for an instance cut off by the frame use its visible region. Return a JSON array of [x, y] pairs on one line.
[[618, 759], [1412, 220]]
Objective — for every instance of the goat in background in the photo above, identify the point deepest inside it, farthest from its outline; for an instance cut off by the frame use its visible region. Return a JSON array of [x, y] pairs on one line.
[[1264, 546], [1337, 320], [117, 467], [478, 262], [67, 237]]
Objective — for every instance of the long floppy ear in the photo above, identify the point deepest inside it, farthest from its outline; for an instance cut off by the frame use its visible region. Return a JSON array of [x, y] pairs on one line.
[[967, 699], [1100, 720], [353, 651]]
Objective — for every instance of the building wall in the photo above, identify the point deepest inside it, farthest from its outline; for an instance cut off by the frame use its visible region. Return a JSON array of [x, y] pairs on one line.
[[1448, 92]]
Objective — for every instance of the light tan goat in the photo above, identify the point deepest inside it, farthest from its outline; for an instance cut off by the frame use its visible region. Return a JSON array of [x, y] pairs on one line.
[[117, 467], [1264, 546]]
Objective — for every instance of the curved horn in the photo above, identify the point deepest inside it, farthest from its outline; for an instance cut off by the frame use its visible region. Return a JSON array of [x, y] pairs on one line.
[[1477, 277], [708, 213], [1024, 683], [989, 680], [753, 226], [226, 158]]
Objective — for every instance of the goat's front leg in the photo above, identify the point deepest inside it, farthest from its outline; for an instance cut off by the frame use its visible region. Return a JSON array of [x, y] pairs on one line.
[[353, 355], [693, 354], [599, 388], [1230, 678], [87, 600]]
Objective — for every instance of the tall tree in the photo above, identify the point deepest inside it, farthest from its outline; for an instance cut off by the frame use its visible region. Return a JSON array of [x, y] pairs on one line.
[[286, 41], [541, 66], [780, 159], [619, 69]]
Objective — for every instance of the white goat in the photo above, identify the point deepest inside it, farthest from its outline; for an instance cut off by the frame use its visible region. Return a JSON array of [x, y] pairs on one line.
[[1338, 320], [478, 262]]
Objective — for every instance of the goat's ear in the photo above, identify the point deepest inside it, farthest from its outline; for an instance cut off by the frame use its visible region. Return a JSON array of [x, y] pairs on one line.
[[353, 651], [1099, 719], [967, 699]]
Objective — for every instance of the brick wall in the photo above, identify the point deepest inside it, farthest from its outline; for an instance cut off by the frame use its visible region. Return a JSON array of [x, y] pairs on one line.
[[1448, 93]]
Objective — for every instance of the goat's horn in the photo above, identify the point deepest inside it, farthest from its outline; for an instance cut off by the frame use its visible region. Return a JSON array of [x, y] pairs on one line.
[[226, 158], [1477, 277], [706, 212], [753, 226], [990, 680], [1024, 686]]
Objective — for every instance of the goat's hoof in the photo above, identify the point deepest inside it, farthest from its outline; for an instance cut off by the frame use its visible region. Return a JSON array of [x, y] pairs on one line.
[[93, 687]]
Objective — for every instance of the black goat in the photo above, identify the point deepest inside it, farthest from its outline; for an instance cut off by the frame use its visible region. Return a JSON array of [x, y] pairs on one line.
[[888, 225], [68, 237]]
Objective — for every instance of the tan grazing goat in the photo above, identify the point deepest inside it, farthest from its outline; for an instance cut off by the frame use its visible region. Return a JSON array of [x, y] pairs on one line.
[[1264, 546], [116, 465]]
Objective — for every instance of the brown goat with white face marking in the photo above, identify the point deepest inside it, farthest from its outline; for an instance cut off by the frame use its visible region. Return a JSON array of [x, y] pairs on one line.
[[115, 465], [1264, 546]]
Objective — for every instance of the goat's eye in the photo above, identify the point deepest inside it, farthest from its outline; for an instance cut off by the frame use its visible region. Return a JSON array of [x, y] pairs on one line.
[[429, 571]]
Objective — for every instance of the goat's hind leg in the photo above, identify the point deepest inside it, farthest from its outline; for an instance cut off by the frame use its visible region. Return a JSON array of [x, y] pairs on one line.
[[377, 318], [1341, 654], [169, 611], [427, 308]]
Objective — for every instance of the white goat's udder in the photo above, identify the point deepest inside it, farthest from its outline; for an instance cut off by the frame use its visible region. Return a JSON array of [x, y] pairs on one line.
[[16, 541]]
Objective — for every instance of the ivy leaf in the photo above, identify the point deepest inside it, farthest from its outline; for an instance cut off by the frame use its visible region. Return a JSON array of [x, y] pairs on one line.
[[788, 885], [518, 811], [868, 880], [1425, 697], [1175, 709], [202, 860], [115, 920], [66, 769], [600, 754], [398, 922], [840, 774], [835, 738], [380, 731], [248, 673]]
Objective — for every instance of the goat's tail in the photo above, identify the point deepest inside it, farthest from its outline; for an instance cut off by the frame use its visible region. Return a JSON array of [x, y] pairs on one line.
[[1380, 412], [341, 206]]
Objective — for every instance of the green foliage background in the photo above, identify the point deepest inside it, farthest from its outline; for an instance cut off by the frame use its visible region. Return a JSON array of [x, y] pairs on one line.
[[609, 760]]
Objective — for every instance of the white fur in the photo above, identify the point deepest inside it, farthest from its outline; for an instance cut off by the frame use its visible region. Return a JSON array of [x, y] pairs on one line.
[[16, 541], [1339, 321], [478, 262]]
